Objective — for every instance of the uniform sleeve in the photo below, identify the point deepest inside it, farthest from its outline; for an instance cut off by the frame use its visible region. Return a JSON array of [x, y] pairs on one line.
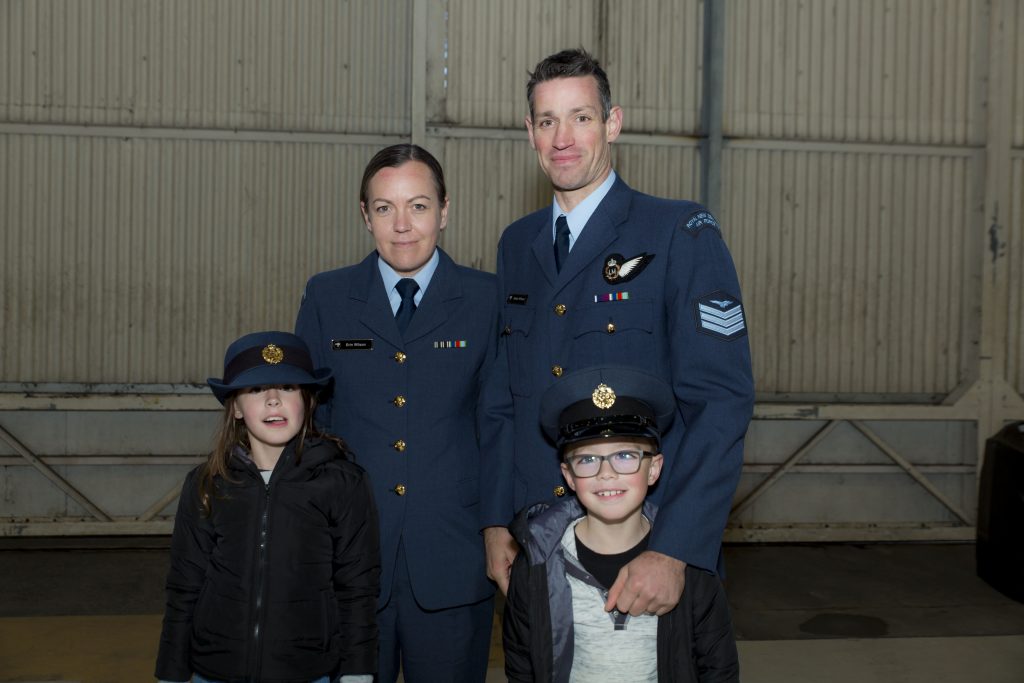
[[714, 643], [308, 327], [516, 623], [497, 427], [357, 576], [713, 384], [191, 546]]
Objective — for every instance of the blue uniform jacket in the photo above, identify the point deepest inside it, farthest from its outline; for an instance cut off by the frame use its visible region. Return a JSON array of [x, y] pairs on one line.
[[675, 312], [422, 392]]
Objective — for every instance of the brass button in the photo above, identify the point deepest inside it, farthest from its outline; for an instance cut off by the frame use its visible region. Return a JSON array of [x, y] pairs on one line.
[[611, 327], [399, 445], [399, 357], [556, 370], [399, 401], [560, 309], [400, 489], [559, 491], [507, 331]]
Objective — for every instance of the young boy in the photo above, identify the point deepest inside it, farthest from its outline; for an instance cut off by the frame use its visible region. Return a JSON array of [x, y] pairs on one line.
[[606, 423]]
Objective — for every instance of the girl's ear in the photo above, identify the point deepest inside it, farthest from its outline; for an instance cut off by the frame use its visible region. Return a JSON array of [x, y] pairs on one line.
[[235, 410]]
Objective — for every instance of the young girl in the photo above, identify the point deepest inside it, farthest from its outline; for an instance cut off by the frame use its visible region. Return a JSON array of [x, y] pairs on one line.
[[275, 561]]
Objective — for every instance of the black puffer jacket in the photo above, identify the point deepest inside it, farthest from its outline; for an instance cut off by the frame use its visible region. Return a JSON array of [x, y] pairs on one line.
[[695, 640], [280, 582]]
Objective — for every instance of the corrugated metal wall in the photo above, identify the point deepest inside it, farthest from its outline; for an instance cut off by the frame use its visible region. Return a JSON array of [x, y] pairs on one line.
[[855, 70], [860, 263], [316, 65], [858, 267], [1015, 243], [138, 260], [171, 172], [793, 70], [1015, 65], [491, 46], [652, 56], [1014, 247], [135, 257]]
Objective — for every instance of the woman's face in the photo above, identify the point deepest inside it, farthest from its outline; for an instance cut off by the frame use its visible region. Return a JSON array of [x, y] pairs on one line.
[[405, 216]]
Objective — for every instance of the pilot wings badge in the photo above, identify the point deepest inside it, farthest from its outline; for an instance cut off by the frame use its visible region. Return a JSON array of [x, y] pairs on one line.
[[618, 269]]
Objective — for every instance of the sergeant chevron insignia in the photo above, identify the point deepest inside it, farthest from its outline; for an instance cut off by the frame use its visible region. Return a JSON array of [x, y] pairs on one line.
[[618, 269], [720, 315]]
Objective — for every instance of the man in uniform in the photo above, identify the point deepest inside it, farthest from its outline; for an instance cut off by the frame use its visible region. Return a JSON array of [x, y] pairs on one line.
[[609, 275], [408, 335]]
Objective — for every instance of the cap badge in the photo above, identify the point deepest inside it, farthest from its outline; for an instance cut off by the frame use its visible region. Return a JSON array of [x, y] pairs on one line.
[[603, 396], [273, 354]]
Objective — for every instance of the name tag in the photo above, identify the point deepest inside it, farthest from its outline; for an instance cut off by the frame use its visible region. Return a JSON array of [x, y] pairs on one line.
[[517, 299], [352, 344]]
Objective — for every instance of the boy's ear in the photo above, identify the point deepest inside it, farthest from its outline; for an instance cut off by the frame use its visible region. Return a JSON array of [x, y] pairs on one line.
[[655, 469], [567, 475]]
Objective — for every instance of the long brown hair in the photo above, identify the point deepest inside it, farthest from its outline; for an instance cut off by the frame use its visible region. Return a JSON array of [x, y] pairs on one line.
[[233, 434]]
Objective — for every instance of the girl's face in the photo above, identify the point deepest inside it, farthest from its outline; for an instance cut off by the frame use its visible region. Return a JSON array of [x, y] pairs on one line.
[[405, 216], [273, 415]]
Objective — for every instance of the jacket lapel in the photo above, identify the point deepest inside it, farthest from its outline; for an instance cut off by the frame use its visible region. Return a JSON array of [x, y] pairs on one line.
[[376, 314], [432, 312], [544, 247], [601, 230]]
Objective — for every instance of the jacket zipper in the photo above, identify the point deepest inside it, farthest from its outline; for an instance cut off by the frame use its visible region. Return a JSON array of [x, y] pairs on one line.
[[261, 573]]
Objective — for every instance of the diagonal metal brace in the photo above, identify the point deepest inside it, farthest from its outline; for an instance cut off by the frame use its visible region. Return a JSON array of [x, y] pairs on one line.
[[910, 469], [48, 472], [781, 470], [159, 505]]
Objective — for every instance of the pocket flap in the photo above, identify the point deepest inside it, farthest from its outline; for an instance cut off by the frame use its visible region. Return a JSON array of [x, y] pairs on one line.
[[622, 315]]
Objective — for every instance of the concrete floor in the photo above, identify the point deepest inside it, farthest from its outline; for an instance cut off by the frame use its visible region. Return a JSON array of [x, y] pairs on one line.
[[807, 613]]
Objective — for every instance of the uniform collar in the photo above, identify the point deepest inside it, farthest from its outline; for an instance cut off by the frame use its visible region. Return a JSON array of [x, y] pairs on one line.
[[422, 278], [578, 217]]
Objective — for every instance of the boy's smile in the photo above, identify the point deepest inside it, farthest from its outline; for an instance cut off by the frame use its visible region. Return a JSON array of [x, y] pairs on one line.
[[610, 498]]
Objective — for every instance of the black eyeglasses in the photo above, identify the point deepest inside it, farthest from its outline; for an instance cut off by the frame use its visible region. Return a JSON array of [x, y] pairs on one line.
[[585, 465]]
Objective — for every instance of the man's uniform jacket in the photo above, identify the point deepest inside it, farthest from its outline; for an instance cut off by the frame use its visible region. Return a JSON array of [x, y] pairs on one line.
[[648, 283]]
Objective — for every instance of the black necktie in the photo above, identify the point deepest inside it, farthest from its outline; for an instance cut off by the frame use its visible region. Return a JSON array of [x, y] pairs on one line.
[[407, 288], [561, 241]]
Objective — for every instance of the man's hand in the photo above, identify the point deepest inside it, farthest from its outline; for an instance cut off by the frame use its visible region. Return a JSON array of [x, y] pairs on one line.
[[650, 584], [501, 550]]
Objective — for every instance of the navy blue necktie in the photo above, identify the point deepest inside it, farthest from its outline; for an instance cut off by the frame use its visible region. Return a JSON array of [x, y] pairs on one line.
[[561, 242], [407, 288]]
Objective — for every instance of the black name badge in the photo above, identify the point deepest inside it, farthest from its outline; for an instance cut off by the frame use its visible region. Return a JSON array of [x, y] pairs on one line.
[[352, 344], [517, 299]]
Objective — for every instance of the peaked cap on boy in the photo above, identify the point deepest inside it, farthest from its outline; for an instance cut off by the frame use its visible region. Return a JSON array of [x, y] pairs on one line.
[[606, 401]]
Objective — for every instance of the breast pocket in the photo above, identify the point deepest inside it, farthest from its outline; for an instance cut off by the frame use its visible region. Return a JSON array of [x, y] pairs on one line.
[[615, 332], [518, 323]]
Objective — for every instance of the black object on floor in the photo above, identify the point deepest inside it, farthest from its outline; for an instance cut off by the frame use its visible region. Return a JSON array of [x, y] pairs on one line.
[[1000, 541]]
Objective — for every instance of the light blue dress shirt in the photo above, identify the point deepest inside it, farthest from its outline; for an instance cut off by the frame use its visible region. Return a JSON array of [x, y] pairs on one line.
[[422, 278], [578, 217]]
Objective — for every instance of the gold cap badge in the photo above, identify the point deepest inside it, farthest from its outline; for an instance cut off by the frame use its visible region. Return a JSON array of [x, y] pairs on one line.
[[273, 354], [603, 396]]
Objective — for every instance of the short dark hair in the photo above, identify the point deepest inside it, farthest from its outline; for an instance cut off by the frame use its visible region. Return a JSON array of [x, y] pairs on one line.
[[569, 64], [396, 155]]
